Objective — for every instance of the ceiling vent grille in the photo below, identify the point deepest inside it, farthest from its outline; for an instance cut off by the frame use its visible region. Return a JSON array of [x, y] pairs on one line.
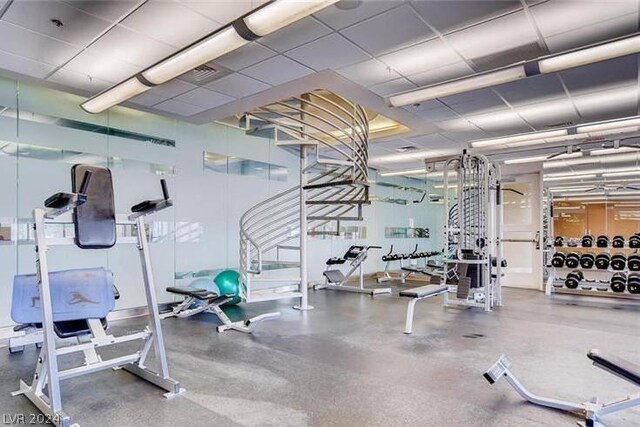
[[406, 148], [203, 72]]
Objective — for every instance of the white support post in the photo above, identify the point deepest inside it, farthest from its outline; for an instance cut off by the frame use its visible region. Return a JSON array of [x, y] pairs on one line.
[[304, 286]]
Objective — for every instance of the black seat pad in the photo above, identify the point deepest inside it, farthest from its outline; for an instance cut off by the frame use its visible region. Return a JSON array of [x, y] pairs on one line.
[[199, 294], [424, 291], [625, 369], [336, 261]]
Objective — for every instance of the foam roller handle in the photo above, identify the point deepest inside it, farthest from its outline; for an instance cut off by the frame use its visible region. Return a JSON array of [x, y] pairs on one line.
[[165, 190], [84, 186]]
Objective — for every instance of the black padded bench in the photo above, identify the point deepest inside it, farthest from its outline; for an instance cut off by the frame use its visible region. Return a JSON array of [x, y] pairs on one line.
[[622, 368], [416, 294], [199, 294]]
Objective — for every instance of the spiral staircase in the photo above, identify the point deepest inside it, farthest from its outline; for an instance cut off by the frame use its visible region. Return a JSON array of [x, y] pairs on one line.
[[330, 134]]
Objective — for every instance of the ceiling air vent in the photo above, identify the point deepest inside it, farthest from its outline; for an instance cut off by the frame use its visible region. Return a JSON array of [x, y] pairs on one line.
[[406, 148], [205, 73]]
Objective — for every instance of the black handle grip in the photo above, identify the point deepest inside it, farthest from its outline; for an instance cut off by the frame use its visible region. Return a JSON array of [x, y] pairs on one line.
[[84, 186], [165, 191], [375, 247]]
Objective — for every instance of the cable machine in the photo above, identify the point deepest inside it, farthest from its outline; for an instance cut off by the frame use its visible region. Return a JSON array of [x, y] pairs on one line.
[[472, 231]]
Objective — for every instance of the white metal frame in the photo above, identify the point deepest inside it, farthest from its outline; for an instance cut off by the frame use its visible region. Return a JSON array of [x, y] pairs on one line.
[[44, 390], [592, 410], [479, 217]]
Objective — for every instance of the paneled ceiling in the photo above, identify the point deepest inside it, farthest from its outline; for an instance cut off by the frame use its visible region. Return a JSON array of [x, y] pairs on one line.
[[383, 47]]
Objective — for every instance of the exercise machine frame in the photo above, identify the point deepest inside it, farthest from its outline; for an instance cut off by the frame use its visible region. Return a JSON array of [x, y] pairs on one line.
[[44, 391]]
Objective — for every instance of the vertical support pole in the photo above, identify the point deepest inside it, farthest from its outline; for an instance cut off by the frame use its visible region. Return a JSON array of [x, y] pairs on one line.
[[498, 237], [304, 287], [49, 342], [152, 303]]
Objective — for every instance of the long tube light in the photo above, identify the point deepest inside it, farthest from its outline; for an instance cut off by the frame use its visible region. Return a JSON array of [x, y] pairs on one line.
[[260, 22], [568, 177], [522, 139], [612, 150], [542, 158], [544, 65]]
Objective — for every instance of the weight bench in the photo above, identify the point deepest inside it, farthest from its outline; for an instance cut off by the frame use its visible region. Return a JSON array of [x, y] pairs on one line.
[[592, 410], [201, 300], [420, 293]]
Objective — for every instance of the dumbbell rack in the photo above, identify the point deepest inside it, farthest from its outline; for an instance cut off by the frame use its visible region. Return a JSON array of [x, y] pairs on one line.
[[557, 275]]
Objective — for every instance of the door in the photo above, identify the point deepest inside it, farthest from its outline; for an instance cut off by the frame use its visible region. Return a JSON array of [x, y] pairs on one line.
[[522, 229]]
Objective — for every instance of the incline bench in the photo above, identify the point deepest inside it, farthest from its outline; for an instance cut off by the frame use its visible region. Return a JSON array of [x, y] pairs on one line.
[[591, 410], [423, 292]]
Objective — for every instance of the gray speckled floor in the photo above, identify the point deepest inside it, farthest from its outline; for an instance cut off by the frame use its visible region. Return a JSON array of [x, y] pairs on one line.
[[346, 363]]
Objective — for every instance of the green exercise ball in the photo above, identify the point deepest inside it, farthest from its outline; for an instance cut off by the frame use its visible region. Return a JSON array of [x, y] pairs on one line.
[[228, 283], [225, 283]]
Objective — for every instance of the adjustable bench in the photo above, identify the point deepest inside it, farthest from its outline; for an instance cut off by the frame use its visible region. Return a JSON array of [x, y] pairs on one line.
[[201, 300], [592, 410], [420, 293]]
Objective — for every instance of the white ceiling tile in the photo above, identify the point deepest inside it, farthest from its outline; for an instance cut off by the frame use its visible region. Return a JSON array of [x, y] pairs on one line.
[[222, 11], [369, 73], [555, 17], [446, 15], [237, 85], [101, 66], [80, 81], [277, 70], [132, 47], [295, 34], [78, 28], [329, 52], [546, 114], [245, 56], [421, 58], [393, 86], [531, 90], [619, 71], [338, 18], [439, 114], [25, 43], [499, 35], [172, 88], [441, 74], [602, 104], [389, 31], [594, 33], [473, 102], [170, 22], [434, 140], [204, 98], [24, 66], [466, 136], [110, 10], [147, 99], [180, 108], [494, 121]]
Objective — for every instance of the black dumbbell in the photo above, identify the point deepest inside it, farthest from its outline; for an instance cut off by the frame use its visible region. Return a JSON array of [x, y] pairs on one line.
[[633, 262], [587, 260], [618, 261], [617, 242], [573, 279], [558, 260], [602, 241], [572, 260], [602, 261], [618, 282], [587, 241], [634, 241], [558, 241], [633, 283]]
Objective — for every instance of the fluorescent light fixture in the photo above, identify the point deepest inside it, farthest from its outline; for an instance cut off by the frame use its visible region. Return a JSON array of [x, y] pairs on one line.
[[568, 177], [200, 53], [262, 21], [615, 124], [402, 157], [542, 158], [281, 13], [621, 173], [521, 139], [115, 95], [562, 61], [583, 193], [559, 189], [405, 172], [612, 150], [465, 84], [590, 55]]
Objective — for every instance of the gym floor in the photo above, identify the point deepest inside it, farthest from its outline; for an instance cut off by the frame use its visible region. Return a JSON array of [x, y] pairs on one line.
[[347, 363]]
